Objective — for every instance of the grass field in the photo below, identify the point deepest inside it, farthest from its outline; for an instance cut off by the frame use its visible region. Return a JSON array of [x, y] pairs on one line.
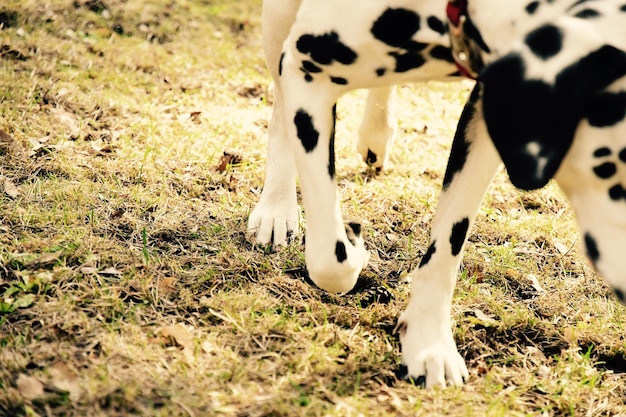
[[128, 285]]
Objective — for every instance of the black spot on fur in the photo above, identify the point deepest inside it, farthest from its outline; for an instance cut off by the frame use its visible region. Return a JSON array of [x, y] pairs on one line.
[[622, 155], [592, 248], [381, 71], [617, 192], [331, 146], [280, 64], [356, 228], [437, 25], [545, 42], [371, 157], [602, 152], [308, 78], [442, 53], [339, 80], [310, 67], [607, 109], [340, 252], [622, 8], [460, 146], [532, 7], [587, 14], [606, 170], [619, 294], [408, 61], [429, 253], [458, 235], [325, 49], [396, 27], [306, 130], [520, 111]]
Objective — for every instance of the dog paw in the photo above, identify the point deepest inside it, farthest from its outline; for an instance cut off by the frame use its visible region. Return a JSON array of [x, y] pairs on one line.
[[336, 267], [273, 223], [430, 354], [375, 157]]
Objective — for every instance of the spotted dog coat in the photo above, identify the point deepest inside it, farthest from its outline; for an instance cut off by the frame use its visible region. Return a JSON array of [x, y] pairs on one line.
[[550, 103]]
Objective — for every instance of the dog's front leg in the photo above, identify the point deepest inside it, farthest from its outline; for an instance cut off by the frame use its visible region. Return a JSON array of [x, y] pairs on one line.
[[428, 346], [334, 251], [276, 215]]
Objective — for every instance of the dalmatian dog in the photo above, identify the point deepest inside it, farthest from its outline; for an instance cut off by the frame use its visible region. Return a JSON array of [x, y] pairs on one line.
[[550, 102]]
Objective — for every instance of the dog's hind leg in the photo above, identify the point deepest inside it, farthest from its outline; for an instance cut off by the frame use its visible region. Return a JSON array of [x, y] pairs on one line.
[[378, 127], [428, 346], [276, 215]]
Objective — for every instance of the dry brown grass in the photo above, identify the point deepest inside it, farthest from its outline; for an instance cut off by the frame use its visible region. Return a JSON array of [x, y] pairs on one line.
[[127, 283]]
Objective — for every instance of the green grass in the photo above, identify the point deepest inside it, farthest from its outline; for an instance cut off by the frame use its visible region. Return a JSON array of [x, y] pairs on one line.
[[128, 285]]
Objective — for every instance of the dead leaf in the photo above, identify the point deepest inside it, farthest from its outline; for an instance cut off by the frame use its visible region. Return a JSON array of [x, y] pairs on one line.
[[5, 137], [181, 337], [195, 117], [110, 271], [10, 189], [485, 319], [63, 378], [535, 283], [228, 158], [167, 285], [45, 259], [30, 387], [88, 270], [101, 149]]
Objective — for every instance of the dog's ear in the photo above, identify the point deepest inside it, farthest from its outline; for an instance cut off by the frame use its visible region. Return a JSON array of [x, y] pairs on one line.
[[531, 122]]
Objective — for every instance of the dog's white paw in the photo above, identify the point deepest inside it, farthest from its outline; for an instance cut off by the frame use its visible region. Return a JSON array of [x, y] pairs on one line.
[[374, 148], [336, 267], [274, 222], [429, 352]]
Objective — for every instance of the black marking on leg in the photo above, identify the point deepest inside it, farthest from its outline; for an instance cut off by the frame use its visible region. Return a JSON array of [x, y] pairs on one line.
[[587, 14], [606, 170], [353, 232], [381, 71], [280, 64], [617, 192], [622, 155], [620, 295], [429, 253], [340, 251], [325, 49], [356, 228], [371, 157], [308, 78], [532, 7], [458, 235], [602, 152], [460, 146], [306, 130], [592, 248], [331, 146], [339, 80]]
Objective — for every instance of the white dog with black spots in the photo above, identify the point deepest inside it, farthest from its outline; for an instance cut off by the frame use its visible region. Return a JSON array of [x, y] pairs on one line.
[[550, 102]]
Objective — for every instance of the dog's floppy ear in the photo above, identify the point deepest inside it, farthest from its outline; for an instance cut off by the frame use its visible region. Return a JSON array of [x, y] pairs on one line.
[[531, 122]]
